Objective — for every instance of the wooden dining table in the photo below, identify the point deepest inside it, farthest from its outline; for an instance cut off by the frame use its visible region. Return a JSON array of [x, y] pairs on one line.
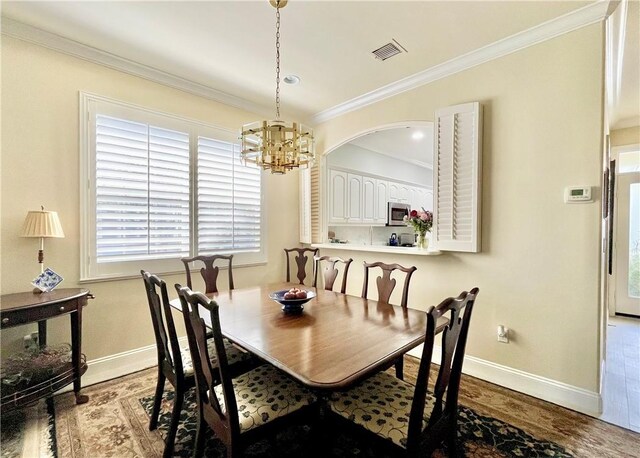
[[336, 341]]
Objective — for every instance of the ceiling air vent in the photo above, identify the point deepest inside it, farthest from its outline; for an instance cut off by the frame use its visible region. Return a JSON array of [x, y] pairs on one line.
[[389, 50]]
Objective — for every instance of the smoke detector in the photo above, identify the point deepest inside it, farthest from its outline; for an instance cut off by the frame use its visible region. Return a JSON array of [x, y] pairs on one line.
[[391, 49]]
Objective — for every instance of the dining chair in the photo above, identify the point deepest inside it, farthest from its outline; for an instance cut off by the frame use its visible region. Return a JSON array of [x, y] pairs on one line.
[[410, 416], [301, 261], [385, 285], [330, 272], [209, 272], [236, 409], [174, 362]]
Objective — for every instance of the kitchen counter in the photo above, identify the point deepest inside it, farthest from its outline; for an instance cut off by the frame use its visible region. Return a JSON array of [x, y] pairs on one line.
[[378, 249]]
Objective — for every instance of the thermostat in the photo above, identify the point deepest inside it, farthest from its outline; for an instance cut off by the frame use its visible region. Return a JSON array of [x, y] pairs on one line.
[[576, 194]]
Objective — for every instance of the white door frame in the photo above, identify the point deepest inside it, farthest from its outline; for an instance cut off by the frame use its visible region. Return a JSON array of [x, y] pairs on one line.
[[612, 279]]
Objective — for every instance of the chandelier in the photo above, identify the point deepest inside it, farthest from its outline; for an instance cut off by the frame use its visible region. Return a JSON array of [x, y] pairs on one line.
[[277, 145]]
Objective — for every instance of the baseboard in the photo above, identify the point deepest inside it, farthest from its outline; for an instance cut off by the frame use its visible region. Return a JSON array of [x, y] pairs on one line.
[[572, 397], [114, 366]]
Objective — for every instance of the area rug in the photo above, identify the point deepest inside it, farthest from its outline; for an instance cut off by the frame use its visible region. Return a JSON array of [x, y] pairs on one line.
[[114, 423], [29, 433], [478, 436]]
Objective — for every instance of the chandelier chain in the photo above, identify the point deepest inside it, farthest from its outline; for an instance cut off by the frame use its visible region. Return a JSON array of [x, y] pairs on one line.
[[278, 61]]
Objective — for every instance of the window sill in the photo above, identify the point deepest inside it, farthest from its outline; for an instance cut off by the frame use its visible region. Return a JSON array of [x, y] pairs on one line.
[[378, 249]]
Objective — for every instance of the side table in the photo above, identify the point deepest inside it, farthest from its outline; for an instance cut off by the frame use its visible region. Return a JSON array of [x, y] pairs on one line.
[[23, 308]]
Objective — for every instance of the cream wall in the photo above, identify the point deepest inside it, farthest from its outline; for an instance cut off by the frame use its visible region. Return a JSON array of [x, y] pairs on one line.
[[40, 165], [628, 136], [538, 271]]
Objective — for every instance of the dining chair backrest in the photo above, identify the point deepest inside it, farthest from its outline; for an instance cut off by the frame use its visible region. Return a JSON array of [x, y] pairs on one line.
[[454, 340], [209, 272], [330, 272], [385, 284], [164, 329], [223, 421], [301, 261]]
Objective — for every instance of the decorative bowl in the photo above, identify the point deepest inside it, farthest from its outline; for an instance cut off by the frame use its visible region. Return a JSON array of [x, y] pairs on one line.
[[291, 305]]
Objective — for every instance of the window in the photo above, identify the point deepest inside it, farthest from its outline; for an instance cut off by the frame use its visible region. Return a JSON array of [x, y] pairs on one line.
[[159, 188]]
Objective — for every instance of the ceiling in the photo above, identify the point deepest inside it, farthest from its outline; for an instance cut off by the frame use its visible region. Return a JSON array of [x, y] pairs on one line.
[[229, 45], [409, 144]]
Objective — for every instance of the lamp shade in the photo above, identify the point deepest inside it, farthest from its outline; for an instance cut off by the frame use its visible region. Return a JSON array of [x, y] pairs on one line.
[[42, 223]]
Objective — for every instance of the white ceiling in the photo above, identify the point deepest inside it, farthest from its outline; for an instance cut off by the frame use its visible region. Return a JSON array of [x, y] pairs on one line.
[[229, 45], [401, 143]]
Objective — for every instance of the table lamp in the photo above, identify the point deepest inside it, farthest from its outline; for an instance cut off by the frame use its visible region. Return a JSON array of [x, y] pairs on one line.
[[43, 224]]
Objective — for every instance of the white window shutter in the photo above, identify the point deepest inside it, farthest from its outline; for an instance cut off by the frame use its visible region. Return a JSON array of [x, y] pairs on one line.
[[457, 175], [228, 212], [305, 205], [142, 191]]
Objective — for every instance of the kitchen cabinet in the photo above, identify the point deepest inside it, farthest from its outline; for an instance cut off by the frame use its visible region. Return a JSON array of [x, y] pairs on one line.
[[394, 192], [361, 199], [369, 199], [337, 197], [382, 198], [354, 198]]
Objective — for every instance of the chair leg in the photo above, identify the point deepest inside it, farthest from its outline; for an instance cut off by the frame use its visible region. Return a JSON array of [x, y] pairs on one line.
[[400, 368], [157, 400], [198, 448], [452, 438], [175, 421]]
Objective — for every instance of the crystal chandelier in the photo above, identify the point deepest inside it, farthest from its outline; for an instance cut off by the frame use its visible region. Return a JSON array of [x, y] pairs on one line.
[[277, 145]]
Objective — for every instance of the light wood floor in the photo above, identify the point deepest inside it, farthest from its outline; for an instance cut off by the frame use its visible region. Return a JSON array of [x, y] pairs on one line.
[[621, 396]]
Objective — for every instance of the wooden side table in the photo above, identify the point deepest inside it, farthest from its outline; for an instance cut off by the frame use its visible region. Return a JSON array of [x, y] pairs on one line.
[[23, 308]]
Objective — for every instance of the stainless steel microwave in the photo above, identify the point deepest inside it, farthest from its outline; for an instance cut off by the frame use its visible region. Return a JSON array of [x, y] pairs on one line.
[[396, 213]]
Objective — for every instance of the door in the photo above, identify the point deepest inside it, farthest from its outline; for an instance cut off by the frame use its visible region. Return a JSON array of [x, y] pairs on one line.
[[627, 244]]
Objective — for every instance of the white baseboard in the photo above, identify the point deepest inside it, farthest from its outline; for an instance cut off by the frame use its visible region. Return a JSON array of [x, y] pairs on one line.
[[114, 366], [572, 397]]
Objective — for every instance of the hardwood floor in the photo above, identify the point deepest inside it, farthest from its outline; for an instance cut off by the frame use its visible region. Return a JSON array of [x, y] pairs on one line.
[[621, 395]]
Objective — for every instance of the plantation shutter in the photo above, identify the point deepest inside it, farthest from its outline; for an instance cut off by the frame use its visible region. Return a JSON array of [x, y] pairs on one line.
[[457, 178], [228, 199], [142, 191], [305, 206], [316, 233]]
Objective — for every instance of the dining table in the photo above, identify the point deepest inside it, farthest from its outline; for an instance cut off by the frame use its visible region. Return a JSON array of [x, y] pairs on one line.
[[337, 340]]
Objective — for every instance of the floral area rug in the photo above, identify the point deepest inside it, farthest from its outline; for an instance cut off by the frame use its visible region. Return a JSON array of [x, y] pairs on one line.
[[29, 432], [497, 422], [478, 436]]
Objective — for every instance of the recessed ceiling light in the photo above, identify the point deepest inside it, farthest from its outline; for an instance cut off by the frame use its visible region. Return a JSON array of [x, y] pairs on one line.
[[291, 79], [417, 135]]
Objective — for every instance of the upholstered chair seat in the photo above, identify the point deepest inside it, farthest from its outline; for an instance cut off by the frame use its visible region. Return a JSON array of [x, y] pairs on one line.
[[264, 394], [234, 355], [382, 405]]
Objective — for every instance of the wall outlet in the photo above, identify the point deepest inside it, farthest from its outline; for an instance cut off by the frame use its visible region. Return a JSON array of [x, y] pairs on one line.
[[503, 334]]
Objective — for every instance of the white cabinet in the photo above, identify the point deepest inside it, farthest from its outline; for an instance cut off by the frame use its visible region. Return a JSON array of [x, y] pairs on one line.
[[369, 194], [354, 198], [420, 198], [427, 199], [382, 197], [337, 196], [403, 194], [361, 199], [394, 192]]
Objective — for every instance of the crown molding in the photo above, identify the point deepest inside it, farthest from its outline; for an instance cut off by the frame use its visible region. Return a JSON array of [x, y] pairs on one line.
[[590, 14], [25, 32]]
